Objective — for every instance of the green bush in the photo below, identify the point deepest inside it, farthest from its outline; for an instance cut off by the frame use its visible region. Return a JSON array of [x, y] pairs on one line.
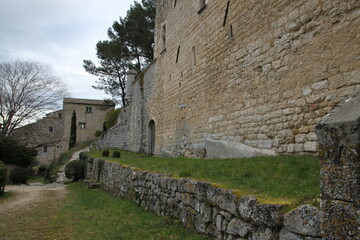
[[111, 118], [98, 133], [18, 175], [13, 153], [82, 156], [105, 153], [116, 154], [75, 170], [3, 178]]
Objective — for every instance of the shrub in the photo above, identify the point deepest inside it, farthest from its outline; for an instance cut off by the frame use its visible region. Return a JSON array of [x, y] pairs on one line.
[[18, 175], [98, 133], [111, 118], [116, 154], [75, 170], [105, 153], [3, 178], [13, 153], [82, 156]]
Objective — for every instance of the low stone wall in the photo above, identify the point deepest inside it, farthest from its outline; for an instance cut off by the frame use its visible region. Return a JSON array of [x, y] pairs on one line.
[[339, 139], [209, 210]]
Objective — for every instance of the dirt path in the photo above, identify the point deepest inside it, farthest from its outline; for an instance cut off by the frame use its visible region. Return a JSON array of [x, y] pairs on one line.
[[25, 196], [32, 212]]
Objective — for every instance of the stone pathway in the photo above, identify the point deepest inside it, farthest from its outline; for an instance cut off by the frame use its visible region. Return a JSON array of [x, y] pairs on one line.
[[61, 173]]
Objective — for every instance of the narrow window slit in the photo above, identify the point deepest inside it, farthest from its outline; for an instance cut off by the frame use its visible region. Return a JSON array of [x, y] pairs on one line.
[[177, 55], [226, 13]]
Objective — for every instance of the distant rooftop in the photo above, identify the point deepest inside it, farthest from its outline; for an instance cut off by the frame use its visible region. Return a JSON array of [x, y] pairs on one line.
[[89, 101]]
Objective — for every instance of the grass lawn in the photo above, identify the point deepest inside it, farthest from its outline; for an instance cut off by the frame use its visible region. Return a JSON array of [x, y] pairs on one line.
[[84, 214], [291, 180], [96, 215]]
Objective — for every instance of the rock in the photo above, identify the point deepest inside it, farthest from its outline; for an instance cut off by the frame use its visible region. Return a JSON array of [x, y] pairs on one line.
[[286, 235], [268, 215], [246, 206], [226, 149], [264, 234], [238, 227], [222, 198], [304, 220]]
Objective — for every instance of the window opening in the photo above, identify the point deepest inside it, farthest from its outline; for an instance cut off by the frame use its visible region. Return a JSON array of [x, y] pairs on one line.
[[60, 115], [231, 31], [45, 149], [82, 125], [194, 55], [51, 129], [177, 55], [88, 110], [163, 36], [226, 13], [175, 3]]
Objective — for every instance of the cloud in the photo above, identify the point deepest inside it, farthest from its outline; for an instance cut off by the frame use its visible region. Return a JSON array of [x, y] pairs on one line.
[[60, 33]]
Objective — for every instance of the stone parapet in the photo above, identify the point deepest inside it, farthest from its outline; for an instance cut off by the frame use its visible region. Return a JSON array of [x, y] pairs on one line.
[[339, 139]]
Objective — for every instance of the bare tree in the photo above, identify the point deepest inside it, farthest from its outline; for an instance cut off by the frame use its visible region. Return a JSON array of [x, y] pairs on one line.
[[27, 89]]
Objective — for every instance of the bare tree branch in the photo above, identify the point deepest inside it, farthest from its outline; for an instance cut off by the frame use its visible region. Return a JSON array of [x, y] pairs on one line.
[[27, 89]]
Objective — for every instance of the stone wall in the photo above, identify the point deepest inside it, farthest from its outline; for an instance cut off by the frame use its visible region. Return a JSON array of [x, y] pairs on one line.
[[117, 136], [261, 73], [207, 209], [245, 74], [339, 139]]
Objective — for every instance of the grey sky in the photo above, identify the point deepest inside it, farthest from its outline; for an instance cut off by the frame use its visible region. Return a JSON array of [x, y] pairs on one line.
[[60, 33]]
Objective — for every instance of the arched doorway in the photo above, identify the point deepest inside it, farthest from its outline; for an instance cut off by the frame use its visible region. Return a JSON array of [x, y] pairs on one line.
[[151, 137]]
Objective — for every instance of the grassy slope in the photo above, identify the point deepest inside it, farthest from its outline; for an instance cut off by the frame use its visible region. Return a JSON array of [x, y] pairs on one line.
[[292, 179]]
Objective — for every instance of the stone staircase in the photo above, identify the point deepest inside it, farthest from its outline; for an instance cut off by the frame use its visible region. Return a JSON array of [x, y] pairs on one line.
[[61, 178]]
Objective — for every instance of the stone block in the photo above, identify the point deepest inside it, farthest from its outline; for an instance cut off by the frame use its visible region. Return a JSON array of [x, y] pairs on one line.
[[265, 234], [227, 149], [341, 220], [311, 146], [238, 228], [246, 206], [304, 220], [222, 198], [268, 214]]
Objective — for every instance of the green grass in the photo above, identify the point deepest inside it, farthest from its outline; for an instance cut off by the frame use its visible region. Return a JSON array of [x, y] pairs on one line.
[[290, 180], [5, 195], [36, 179], [96, 215]]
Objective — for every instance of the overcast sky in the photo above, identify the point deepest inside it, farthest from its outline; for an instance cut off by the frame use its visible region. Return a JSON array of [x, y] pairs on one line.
[[60, 33]]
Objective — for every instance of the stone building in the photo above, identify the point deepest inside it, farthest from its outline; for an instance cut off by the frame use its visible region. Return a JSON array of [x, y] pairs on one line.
[[241, 78], [50, 135]]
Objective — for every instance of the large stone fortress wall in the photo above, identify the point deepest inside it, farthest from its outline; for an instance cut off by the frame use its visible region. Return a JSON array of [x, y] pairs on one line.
[[262, 73]]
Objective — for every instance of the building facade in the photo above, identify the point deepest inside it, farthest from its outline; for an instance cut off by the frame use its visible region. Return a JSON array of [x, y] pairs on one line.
[[244, 76], [50, 135]]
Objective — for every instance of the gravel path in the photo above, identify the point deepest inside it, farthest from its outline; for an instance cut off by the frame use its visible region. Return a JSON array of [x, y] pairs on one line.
[[26, 196]]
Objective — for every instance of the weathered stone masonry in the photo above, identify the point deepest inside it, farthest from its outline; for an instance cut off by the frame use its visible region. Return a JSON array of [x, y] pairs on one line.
[[262, 73], [208, 210], [339, 139]]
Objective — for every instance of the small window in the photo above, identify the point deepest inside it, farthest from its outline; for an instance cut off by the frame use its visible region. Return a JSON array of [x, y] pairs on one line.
[[163, 36], [51, 129], [194, 55], [60, 115], [45, 149], [82, 125], [175, 3], [88, 110]]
